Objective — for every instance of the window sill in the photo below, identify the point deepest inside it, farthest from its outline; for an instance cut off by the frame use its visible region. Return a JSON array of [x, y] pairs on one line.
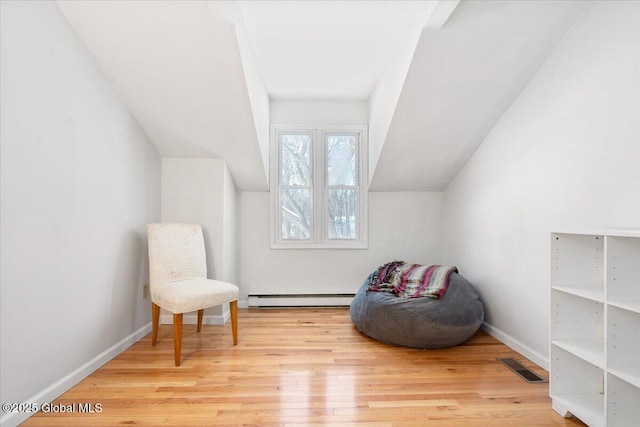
[[329, 245]]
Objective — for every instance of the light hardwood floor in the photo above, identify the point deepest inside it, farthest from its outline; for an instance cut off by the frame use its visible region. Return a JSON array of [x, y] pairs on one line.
[[302, 367]]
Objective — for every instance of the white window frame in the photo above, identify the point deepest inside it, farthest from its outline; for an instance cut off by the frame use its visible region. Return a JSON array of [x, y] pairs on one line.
[[319, 238]]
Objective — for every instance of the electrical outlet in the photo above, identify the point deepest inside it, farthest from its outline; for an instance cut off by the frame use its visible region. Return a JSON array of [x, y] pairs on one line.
[[145, 291]]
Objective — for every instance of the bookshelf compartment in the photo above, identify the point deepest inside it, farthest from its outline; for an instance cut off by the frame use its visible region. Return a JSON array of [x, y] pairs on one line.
[[623, 403], [578, 386], [577, 261], [623, 344], [577, 326], [623, 272]]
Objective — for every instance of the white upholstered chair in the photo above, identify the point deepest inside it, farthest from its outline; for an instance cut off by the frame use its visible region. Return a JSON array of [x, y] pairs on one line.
[[179, 284]]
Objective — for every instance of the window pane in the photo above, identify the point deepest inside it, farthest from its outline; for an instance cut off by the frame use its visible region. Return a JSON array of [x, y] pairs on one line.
[[296, 214], [296, 159], [342, 213], [341, 160]]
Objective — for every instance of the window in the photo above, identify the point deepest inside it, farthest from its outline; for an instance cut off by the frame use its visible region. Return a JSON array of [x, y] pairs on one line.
[[318, 191]]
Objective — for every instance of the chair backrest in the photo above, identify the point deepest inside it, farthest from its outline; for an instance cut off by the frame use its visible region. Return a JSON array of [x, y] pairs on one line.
[[176, 251]]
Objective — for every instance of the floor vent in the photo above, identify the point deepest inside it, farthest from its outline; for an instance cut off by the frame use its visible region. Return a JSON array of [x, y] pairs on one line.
[[521, 371], [301, 300]]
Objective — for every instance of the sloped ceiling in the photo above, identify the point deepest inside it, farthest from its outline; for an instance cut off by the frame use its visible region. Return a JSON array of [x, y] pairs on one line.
[[183, 70], [179, 71], [462, 79]]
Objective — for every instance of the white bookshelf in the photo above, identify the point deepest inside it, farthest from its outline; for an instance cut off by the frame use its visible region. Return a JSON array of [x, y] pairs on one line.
[[595, 326]]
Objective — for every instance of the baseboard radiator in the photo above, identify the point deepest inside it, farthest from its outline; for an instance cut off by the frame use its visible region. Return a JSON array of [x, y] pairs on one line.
[[300, 300]]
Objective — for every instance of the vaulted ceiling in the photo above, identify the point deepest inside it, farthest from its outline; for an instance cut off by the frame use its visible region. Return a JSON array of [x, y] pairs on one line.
[[330, 50], [438, 75]]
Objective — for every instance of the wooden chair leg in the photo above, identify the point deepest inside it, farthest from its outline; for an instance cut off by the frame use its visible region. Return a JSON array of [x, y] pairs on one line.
[[200, 316], [155, 320], [233, 305], [177, 336]]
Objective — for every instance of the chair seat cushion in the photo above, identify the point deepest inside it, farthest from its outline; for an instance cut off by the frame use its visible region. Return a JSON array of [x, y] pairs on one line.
[[182, 296]]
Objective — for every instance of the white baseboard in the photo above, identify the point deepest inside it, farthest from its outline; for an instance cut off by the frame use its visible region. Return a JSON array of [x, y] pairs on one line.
[[514, 344], [301, 300], [56, 389]]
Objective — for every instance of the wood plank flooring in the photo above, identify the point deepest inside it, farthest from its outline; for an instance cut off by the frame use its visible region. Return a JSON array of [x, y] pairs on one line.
[[306, 367]]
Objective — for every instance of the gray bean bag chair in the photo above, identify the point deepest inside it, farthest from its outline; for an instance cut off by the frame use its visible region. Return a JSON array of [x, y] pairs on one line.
[[419, 322]]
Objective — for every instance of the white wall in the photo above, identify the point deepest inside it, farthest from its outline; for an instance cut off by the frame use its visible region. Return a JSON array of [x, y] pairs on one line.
[[79, 180], [565, 155], [288, 112], [402, 226], [258, 96], [229, 229], [201, 191], [384, 99]]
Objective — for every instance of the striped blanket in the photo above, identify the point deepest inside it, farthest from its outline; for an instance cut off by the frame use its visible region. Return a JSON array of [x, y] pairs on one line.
[[412, 280]]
